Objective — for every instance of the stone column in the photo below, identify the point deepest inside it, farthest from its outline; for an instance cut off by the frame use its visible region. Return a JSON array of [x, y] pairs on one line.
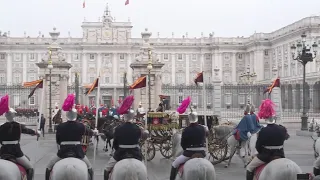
[[63, 86], [201, 62], [24, 67], [71, 78], [187, 69], [173, 68], [234, 68], [217, 93], [129, 73], [84, 67], [99, 59], [259, 64], [9, 68], [114, 69]]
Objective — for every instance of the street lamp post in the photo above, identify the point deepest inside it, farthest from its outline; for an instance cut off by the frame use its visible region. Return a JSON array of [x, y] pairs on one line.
[[248, 78], [302, 53], [149, 67], [50, 67]]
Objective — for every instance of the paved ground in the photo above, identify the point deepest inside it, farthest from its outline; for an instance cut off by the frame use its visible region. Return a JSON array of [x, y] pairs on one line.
[[299, 149]]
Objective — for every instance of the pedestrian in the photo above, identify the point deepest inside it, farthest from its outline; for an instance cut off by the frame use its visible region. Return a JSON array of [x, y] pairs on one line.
[[42, 124]]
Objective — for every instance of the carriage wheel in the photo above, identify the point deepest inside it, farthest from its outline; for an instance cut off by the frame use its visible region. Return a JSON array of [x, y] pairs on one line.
[[166, 149], [151, 150], [218, 151]]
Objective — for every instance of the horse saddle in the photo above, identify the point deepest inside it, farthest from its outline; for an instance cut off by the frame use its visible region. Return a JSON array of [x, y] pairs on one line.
[[259, 169], [70, 154], [12, 158], [181, 167]]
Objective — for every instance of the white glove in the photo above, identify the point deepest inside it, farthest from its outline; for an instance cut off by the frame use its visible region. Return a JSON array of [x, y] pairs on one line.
[[249, 134], [95, 132], [146, 131], [206, 128]]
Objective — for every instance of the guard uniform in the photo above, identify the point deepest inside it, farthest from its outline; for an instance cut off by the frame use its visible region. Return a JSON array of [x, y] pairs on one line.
[[126, 142], [10, 134], [63, 135], [193, 137], [270, 142]]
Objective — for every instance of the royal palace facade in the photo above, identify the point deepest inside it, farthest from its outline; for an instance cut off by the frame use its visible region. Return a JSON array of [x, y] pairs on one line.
[[108, 47]]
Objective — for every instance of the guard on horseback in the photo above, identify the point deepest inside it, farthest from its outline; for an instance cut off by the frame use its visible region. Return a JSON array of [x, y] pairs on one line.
[[243, 130], [270, 139], [70, 142], [161, 107], [193, 138], [10, 134], [126, 138], [140, 112]]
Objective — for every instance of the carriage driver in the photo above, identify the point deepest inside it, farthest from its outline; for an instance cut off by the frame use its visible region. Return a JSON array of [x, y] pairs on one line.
[[126, 142], [192, 141], [10, 133], [70, 142], [270, 140]]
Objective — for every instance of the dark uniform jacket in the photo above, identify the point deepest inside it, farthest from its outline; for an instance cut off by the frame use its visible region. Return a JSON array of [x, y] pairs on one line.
[[127, 134], [193, 136], [272, 135], [71, 131], [11, 131]]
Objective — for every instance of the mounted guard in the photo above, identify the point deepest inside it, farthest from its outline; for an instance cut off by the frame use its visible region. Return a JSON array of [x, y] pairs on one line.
[[161, 107], [270, 139], [10, 134], [193, 138], [126, 138], [140, 112], [70, 142], [242, 132]]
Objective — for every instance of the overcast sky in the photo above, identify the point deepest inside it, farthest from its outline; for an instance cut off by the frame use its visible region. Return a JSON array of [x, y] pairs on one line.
[[225, 18]]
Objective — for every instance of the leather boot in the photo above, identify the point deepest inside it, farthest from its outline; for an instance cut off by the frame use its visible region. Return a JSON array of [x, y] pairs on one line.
[[173, 173], [90, 172], [249, 175], [48, 173], [316, 171], [106, 175], [30, 174]]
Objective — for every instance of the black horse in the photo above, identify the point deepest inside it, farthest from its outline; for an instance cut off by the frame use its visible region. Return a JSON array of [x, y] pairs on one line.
[[108, 127]]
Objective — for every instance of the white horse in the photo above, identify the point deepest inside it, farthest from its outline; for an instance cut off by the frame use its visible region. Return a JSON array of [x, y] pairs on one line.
[[9, 170], [70, 169], [195, 168], [129, 169], [316, 148], [282, 168], [247, 148]]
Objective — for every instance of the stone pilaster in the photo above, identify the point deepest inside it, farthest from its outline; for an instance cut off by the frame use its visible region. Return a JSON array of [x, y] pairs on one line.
[[217, 93], [9, 68], [259, 64], [234, 68], [24, 68], [99, 59], [129, 73], [187, 69], [173, 68], [84, 61], [114, 68]]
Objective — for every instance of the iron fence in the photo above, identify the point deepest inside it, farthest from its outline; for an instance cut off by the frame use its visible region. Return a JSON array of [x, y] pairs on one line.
[[27, 108]]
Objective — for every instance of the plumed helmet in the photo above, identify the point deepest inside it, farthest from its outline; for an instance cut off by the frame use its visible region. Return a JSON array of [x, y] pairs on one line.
[[10, 114], [129, 116], [72, 114], [252, 108], [193, 117], [247, 108]]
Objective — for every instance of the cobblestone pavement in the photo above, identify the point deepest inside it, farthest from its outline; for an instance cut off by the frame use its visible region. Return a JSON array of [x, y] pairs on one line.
[[297, 148]]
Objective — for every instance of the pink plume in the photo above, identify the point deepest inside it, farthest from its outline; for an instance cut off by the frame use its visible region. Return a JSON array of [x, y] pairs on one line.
[[266, 109], [126, 105], [68, 103], [4, 105], [184, 105]]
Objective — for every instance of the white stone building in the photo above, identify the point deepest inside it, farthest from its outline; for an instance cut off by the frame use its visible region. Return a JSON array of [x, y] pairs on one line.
[[108, 47]]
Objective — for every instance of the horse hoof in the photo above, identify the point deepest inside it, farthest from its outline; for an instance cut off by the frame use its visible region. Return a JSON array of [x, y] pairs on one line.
[[226, 166]]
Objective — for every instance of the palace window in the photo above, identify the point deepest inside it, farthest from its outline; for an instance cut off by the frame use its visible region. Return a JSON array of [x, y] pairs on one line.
[[180, 56], [17, 78], [76, 57], [208, 56], [107, 80], [2, 78], [32, 100], [194, 57], [31, 77], [121, 78], [165, 56], [91, 56], [121, 56], [32, 56], [239, 56], [2, 56], [266, 52]]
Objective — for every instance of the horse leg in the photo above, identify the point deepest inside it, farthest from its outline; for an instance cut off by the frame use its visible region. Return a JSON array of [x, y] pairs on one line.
[[244, 157], [232, 152], [105, 146]]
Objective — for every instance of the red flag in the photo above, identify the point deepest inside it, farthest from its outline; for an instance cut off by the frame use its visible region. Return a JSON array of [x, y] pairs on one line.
[[139, 83], [84, 4], [276, 83], [199, 78], [94, 85], [127, 2], [39, 84]]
